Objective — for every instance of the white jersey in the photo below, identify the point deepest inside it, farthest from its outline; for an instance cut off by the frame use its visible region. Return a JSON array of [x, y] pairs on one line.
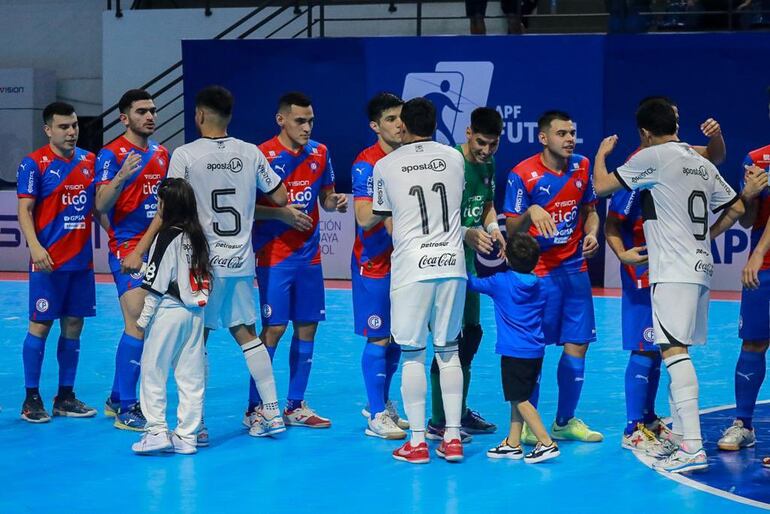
[[225, 174], [679, 187], [421, 186]]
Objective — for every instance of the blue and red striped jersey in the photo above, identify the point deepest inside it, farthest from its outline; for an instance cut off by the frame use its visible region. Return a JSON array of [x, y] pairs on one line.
[[138, 201], [625, 206], [562, 195], [305, 173], [63, 190], [372, 247], [761, 158]]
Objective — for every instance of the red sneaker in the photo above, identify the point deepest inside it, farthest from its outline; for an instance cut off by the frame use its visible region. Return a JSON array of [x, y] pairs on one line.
[[413, 454], [451, 451], [304, 416]]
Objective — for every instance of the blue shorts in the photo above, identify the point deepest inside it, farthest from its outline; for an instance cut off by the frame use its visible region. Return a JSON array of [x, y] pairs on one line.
[[371, 305], [291, 293], [123, 281], [61, 293], [569, 308], [638, 334], [754, 323]]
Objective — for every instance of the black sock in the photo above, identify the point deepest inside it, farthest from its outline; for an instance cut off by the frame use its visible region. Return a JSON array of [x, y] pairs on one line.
[[64, 392], [32, 391]]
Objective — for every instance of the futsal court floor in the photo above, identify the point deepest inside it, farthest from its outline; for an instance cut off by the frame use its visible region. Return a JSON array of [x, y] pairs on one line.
[[86, 465]]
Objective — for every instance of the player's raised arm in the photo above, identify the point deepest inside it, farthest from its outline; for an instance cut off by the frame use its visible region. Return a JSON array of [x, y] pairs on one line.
[[605, 182], [715, 151], [112, 181]]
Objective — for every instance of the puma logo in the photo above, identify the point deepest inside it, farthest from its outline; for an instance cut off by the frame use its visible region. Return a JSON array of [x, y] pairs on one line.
[[643, 377], [546, 190], [280, 167]]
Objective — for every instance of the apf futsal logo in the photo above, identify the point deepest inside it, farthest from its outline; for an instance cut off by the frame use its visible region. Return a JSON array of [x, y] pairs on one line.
[[455, 88]]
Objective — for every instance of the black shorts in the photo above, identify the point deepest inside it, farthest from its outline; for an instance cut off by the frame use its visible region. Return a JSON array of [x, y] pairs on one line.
[[519, 377]]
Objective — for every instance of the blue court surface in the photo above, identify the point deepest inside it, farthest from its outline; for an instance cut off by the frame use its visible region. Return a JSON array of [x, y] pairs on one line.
[[74, 465]]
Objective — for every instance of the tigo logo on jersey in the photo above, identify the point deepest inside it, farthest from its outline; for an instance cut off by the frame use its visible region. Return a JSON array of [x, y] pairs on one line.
[[456, 89], [41, 305]]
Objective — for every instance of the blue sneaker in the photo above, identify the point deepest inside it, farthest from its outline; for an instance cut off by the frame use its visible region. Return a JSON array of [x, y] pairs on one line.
[[111, 408], [132, 419]]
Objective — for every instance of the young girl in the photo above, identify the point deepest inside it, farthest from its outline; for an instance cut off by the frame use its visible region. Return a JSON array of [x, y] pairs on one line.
[[177, 279]]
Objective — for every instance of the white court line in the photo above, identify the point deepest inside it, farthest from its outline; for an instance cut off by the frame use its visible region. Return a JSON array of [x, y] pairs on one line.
[[684, 480]]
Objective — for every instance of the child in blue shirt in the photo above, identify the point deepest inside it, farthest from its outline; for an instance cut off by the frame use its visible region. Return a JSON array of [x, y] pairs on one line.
[[519, 305]]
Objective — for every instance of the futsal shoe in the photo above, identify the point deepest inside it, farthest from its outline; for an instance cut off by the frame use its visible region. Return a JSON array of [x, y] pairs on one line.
[[473, 423], [111, 408], [33, 410], [682, 462], [250, 417], [202, 436], [659, 428], [451, 451], [737, 437], [436, 433], [180, 446], [640, 440], [304, 416], [506, 451], [71, 407], [527, 437], [542, 453], [382, 426], [262, 427], [412, 454], [133, 419], [390, 407], [575, 430], [152, 444]]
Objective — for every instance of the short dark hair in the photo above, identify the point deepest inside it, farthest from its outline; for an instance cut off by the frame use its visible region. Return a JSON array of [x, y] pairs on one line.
[[60, 108], [293, 98], [380, 103], [656, 98], [658, 118], [486, 121], [419, 117], [131, 96], [544, 122], [216, 98], [522, 252]]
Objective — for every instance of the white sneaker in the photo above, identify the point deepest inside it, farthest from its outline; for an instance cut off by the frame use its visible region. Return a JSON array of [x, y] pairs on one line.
[[681, 462], [505, 451], [737, 437], [384, 427], [179, 445], [272, 426], [151, 444], [662, 450], [202, 436], [390, 407], [641, 439], [250, 417]]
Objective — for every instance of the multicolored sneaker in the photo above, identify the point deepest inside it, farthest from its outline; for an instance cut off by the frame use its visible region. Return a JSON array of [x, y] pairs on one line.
[[250, 417], [527, 437], [152, 444], [71, 407], [659, 428], [32, 410], [436, 433], [384, 427], [641, 439], [133, 419], [451, 451], [542, 453], [737, 437], [473, 423], [412, 454], [111, 408], [202, 437], [505, 451], [681, 462], [576, 430], [304, 416]]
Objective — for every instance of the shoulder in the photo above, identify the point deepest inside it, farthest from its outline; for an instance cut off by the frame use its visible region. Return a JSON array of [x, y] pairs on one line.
[[314, 147], [528, 165], [84, 155], [166, 237], [159, 148], [760, 155]]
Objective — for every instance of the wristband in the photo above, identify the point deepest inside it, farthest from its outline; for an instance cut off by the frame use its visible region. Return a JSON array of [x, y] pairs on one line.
[[463, 231], [492, 227]]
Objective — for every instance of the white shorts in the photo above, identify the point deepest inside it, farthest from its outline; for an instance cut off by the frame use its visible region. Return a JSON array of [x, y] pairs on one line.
[[680, 313], [231, 303], [432, 305]]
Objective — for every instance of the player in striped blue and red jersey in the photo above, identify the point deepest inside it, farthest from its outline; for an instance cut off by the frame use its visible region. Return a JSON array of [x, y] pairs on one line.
[[287, 246], [370, 271], [551, 196], [130, 169], [55, 189]]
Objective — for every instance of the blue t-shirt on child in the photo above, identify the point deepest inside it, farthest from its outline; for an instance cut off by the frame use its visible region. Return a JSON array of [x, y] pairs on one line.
[[519, 305]]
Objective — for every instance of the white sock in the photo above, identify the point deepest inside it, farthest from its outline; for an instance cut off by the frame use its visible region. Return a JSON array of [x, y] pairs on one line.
[[684, 393], [414, 387], [676, 421], [451, 376], [261, 369]]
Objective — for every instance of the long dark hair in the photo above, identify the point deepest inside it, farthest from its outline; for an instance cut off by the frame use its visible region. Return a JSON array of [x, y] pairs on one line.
[[181, 210]]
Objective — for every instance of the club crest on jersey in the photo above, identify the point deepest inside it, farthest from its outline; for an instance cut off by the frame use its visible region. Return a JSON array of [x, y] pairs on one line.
[[267, 311], [137, 275], [42, 305], [649, 335], [45, 158], [314, 165], [575, 165], [374, 322], [579, 184]]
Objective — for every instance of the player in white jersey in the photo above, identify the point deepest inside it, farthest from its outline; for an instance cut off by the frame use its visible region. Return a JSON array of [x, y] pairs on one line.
[[225, 173], [678, 187], [420, 185]]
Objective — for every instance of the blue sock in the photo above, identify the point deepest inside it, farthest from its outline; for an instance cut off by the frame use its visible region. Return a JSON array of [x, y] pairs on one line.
[[373, 364], [749, 375], [638, 373], [300, 362], [115, 393], [535, 396], [32, 355], [129, 362], [569, 376], [254, 398], [67, 353], [652, 390], [392, 362]]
